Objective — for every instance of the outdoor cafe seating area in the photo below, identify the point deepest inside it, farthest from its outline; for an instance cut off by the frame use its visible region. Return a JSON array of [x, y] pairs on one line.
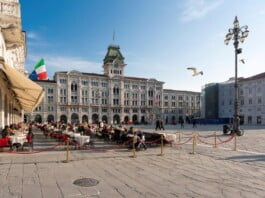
[[84, 135], [16, 137]]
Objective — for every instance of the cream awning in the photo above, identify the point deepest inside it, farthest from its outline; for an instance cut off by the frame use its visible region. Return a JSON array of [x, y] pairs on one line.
[[28, 93]]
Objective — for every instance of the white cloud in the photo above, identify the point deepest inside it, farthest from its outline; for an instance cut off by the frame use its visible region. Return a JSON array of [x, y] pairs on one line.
[[195, 9], [66, 63], [34, 39], [32, 35]]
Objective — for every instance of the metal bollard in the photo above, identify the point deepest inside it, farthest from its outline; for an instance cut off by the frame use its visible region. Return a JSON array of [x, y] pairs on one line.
[[134, 141], [193, 143], [179, 137], [162, 145], [215, 140], [67, 151], [235, 145]]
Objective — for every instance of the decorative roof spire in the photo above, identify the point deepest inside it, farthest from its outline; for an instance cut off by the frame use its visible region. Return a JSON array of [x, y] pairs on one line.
[[113, 36], [113, 53]]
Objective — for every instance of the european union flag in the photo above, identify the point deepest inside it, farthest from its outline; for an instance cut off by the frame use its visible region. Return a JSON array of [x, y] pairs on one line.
[[33, 75]]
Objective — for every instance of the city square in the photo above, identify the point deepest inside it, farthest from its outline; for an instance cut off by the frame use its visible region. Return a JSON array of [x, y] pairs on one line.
[[211, 172], [132, 99]]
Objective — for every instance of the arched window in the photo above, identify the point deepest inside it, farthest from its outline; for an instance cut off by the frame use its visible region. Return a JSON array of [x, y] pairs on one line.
[[74, 87], [116, 91], [150, 93], [50, 118], [63, 119]]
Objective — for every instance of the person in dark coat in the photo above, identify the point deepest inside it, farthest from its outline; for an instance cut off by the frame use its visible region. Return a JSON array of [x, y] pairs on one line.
[[162, 125], [5, 132], [194, 123], [182, 122], [158, 126]]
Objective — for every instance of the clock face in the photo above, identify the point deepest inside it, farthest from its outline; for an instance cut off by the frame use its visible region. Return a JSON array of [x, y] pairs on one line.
[[116, 65]]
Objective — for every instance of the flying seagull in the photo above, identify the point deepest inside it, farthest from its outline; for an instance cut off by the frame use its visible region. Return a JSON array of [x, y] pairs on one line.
[[194, 71], [243, 61]]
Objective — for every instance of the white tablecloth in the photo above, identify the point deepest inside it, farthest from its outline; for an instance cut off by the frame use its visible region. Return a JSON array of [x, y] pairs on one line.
[[18, 139], [74, 135], [81, 140], [69, 133]]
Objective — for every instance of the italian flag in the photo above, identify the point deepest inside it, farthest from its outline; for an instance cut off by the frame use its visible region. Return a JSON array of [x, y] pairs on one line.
[[40, 69]]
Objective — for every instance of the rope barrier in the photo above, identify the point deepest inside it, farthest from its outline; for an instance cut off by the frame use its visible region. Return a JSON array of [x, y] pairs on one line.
[[35, 152], [221, 142], [180, 143], [205, 136], [152, 141], [205, 142], [218, 137]]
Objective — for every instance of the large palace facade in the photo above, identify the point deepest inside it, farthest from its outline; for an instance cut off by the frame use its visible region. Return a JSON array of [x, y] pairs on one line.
[[112, 97], [12, 53]]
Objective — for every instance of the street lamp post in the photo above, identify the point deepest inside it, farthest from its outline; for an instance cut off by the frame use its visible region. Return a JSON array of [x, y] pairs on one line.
[[236, 33]]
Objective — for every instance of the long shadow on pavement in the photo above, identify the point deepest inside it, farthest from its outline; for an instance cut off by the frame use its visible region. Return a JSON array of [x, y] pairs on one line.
[[247, 158]]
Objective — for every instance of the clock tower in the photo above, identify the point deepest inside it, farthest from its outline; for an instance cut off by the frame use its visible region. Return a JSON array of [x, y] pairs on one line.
[[114, 62]]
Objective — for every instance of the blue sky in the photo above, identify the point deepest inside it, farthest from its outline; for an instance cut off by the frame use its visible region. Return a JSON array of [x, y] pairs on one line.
[[159, 38]]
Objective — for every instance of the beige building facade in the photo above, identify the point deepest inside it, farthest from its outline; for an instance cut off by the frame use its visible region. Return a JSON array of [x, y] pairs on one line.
[[17, 93], [12, 53], [180, 105], [111, 97]]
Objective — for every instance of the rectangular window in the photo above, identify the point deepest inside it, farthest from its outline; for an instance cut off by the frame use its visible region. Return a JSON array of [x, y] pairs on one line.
[[62, 81], [84, 109], [104, 110], [143, 87], [94, 109], [94, 83], [115, 101], [84, 82], [135, 86], [74, 99], [104, 84], [150, 102], [126, 110], [62, 108], [50, 99], [142, 110]]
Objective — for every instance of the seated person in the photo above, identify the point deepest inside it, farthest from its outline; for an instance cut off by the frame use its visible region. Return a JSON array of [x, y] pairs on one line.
[[5, 132]]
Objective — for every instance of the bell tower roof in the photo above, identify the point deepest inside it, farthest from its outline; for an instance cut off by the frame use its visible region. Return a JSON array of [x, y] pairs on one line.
[[112, 54]]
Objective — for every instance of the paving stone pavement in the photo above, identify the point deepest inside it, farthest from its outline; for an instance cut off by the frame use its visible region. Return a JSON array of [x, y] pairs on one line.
[[211, 172]]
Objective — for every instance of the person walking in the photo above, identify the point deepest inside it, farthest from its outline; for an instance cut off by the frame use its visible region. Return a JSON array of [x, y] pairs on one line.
[[194, 123], [162, 125], [181, 122], [158, 125]]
